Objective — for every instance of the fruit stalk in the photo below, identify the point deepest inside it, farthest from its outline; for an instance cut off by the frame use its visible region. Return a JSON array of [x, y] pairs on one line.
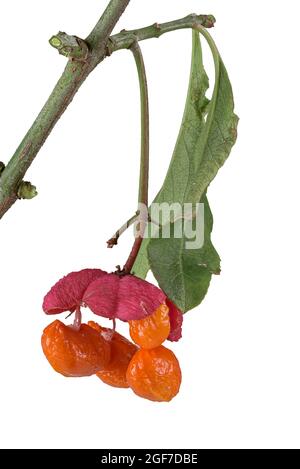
[[144, 164]]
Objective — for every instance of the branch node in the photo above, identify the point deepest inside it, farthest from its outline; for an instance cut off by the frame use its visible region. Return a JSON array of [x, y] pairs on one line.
[[110, 46], [208, 21], [26, 191], [72, 47], [157, 26]]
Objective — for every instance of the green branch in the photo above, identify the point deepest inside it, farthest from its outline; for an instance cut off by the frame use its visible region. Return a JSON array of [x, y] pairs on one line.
[[124, 39], [94, 49], [72, 78]]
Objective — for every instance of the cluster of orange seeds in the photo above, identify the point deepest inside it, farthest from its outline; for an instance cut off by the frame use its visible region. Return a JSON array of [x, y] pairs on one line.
[[151, 370]]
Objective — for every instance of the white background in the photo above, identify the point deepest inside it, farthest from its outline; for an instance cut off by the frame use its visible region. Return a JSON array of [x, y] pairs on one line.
[[240, 352]]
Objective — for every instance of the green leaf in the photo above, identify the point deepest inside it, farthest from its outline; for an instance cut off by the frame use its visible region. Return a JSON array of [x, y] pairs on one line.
[[184, 274], [207, 134], [218, 135], [191, 127], [182, 170]]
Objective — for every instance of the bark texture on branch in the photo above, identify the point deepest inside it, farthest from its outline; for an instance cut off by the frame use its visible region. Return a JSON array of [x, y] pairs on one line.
[[72, 78], [99, 45], [124, 39]]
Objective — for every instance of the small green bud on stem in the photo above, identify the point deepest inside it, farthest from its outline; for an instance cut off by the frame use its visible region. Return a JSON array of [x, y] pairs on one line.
[[70, 46], [27, 190], [208, 21]]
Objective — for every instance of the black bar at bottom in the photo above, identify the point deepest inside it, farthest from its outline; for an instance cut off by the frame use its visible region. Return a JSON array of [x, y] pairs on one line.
[[92, 458]]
